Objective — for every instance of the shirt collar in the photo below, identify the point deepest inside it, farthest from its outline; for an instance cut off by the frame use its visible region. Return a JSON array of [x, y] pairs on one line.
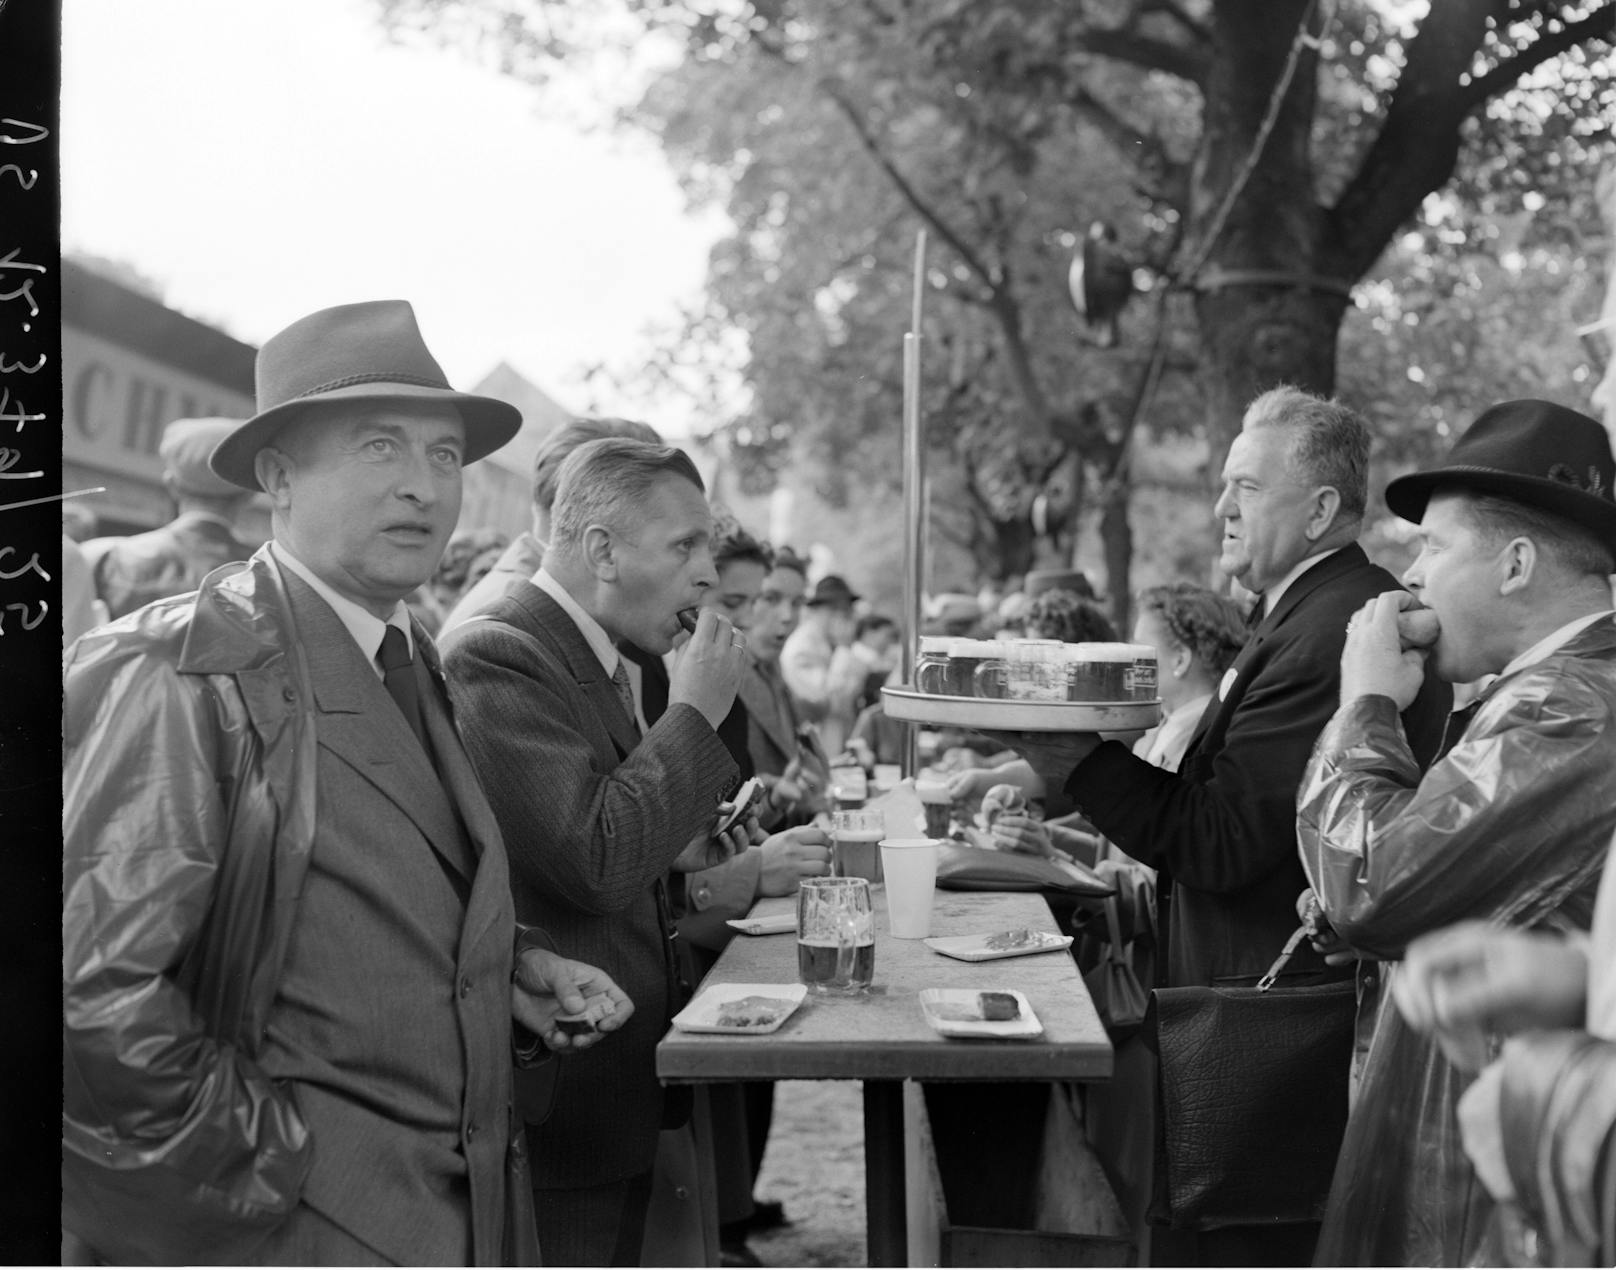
[[1552, 643], [1272, 594], [366, 628], [600, 643]]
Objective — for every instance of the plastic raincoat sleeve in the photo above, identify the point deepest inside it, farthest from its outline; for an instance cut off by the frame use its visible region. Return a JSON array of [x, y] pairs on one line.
[[145, 1087], [1510, 820]]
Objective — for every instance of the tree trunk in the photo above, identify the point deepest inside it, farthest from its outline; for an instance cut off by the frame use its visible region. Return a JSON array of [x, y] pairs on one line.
[[1116, 537], [1009, 550], [1258, 331]]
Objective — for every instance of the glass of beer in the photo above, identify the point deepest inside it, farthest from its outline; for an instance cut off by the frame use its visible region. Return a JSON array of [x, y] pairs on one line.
[[835, 936], [855, 841]]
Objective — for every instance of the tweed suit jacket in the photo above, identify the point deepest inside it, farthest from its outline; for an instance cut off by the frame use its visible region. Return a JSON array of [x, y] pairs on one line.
[[1223, 829], [592, 815]]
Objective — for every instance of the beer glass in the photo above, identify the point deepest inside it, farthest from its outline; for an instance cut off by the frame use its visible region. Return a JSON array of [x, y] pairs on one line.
[[835, 935], [855, 838]]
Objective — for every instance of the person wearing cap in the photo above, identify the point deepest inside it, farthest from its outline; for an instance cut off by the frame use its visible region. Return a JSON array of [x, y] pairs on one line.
[[173, 558], [1517, 535], [293, 982], [819, 665]]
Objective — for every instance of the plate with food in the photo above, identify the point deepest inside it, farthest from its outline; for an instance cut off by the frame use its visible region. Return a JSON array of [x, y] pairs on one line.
[[779, 924], [740, 1009], [999, 1012], [1001, 943]]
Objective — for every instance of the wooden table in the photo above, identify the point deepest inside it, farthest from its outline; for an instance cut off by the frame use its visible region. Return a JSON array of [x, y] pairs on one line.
[[883, 1039]]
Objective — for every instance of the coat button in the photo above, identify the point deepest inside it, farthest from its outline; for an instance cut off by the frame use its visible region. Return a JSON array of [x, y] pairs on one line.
[[471, 1132], [465, 987]]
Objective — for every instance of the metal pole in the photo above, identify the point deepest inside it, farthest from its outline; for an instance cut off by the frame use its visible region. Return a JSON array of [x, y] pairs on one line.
[[914, 500]]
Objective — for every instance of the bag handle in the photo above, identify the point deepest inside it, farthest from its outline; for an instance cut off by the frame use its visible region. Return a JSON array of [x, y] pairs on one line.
[[1291, 945]]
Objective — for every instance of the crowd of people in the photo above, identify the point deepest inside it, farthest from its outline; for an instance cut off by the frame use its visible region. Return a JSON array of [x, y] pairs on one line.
[[390, 851]]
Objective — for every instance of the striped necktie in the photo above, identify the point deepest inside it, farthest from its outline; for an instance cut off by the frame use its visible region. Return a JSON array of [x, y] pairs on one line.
[[625, 692]]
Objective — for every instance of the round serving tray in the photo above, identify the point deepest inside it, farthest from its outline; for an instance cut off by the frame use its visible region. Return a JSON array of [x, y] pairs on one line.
[[909, 706]]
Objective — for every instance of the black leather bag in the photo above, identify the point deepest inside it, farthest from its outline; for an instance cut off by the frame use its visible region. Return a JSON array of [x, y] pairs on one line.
[[1253, 1086], [1119, 997]]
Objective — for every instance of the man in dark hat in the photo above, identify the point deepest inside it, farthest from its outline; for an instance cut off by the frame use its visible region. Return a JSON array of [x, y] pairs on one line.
[[174, 558], [819, 666], [288, 943], [1518, 541]]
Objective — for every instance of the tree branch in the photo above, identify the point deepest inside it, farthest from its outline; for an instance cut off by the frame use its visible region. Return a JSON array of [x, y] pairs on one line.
[[1192, 64], [1600, 24]]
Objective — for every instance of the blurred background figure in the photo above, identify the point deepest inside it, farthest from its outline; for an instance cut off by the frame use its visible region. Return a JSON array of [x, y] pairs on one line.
[[875, 645], [1066, 615], [819, 666], [80, 609], [1196, 634], [78, 522], [951, 613], [174, 558]]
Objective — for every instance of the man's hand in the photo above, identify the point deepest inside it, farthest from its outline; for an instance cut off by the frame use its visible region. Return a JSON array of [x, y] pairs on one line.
[[791, 856], [710, 849], [1051, 755], [1320, 933], [1375, 661], [1480, 976], [1017, 833], [709, 668], [546, 984]]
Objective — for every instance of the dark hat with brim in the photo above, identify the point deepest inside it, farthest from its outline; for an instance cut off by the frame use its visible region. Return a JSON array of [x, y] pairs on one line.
[[1531, 452], [369, 354], [832, 589]]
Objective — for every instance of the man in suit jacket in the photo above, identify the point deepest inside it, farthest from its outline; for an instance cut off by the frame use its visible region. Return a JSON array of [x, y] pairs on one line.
[[288, 938], [1222, 830], [593, 813]]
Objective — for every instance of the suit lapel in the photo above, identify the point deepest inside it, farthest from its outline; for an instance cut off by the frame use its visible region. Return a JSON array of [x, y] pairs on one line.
[[548, 622], [358, 722], [758, 696]]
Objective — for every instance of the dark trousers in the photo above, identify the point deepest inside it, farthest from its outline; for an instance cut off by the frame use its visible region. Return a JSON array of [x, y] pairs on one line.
[[593, 1225]]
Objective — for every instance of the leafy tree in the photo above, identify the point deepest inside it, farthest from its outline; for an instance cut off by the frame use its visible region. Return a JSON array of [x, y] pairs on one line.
[[1257, 156]]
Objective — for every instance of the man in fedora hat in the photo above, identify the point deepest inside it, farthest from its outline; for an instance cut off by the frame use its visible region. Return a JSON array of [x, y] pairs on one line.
[[290, 960], [1517, 544], [134, 571], [819, 666]]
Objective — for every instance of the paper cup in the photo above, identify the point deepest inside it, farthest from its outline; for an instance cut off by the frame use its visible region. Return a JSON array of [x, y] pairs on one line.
[[910, 868]]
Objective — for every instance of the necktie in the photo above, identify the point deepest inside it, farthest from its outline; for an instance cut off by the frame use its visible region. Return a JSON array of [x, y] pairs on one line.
[[1255, 615], [398, 677], [625, 692]]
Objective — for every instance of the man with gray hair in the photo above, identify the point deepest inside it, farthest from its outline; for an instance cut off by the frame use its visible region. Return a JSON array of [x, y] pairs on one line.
[[1223, 828], [594, 812]]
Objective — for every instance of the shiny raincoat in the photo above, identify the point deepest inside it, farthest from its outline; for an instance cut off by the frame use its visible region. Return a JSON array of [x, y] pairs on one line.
[[189, 786], [1511, 825]]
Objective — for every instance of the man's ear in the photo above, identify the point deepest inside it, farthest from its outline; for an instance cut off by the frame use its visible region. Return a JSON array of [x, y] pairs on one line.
[[600, 551], [1517, 565], [1326, 503], [273, 468]]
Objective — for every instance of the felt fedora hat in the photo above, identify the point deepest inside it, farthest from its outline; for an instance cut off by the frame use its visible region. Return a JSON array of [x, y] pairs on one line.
[[1531, 452], [354, 354], [832, 589]]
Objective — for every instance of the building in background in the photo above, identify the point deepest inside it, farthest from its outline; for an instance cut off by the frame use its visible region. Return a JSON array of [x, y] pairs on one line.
[[131, 365]]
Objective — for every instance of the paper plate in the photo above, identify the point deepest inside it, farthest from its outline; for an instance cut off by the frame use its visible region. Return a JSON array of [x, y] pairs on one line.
[[723, 1000], [957, 1012], [1020, 716], [997, 944], [779, 924]]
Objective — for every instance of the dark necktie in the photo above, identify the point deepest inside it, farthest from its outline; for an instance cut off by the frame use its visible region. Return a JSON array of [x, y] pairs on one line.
[[398, 677], [625, 692], [1255, 615]]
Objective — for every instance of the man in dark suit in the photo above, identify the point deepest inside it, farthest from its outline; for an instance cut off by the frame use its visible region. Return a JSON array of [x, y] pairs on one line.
[[288, 936], [595, 814], [1222, 830]]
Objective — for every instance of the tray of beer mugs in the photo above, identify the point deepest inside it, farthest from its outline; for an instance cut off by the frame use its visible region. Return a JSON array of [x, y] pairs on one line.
[[1030, 685]]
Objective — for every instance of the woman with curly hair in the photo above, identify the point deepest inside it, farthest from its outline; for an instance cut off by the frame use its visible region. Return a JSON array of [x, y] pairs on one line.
[[1196, 634]]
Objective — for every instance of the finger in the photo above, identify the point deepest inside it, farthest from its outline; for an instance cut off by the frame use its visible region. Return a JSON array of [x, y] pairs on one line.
[[564, 983]]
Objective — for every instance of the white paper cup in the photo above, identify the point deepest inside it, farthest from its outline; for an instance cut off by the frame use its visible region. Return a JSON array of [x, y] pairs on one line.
[[910, 868]]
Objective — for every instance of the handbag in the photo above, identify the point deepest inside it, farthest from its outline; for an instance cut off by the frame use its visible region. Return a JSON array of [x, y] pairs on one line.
[[1119, 998], [1253, 1098], [962, 868]]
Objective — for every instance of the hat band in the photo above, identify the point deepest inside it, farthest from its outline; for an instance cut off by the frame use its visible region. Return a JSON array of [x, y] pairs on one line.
[[380, 377]]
